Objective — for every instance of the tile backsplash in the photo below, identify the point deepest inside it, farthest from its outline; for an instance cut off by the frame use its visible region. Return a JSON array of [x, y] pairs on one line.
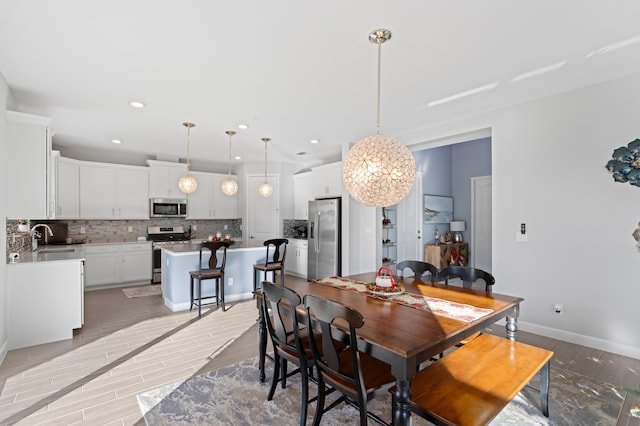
[[293, 228], [118, 230]]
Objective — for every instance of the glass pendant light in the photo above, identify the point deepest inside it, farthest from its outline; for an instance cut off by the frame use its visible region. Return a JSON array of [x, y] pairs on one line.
[[265, 189], [188, 183], [230, 186], [379, 170]]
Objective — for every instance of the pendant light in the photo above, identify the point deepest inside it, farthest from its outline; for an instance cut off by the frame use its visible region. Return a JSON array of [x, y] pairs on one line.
[[230, 186], [188, 183], [265, 189], [379, 170]]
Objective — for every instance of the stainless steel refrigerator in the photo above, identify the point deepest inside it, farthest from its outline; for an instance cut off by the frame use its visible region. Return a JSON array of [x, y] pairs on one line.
[[324, 234]]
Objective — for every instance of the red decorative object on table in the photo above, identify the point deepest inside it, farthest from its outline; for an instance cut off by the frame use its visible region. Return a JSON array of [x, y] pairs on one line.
[[386, 279]]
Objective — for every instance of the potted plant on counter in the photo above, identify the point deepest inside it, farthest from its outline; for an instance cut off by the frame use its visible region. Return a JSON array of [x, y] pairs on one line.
[[23, 225]]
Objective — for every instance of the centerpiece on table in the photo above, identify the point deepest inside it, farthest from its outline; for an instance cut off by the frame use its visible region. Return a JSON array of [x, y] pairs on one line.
[[384, 283]]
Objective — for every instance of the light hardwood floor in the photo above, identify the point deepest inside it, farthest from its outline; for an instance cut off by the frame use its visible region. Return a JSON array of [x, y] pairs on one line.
[[128, 346]]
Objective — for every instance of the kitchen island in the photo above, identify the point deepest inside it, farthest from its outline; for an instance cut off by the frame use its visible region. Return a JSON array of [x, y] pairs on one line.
[[179, 260]]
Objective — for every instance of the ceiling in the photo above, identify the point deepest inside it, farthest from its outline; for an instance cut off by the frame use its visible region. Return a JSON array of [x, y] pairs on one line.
[[294, 70]]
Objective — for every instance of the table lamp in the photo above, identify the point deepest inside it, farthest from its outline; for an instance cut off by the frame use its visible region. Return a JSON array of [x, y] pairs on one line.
[[457, 227]]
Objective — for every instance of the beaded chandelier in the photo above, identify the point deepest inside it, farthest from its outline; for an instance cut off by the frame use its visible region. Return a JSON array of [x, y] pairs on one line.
[[379, 170], [188, 183]]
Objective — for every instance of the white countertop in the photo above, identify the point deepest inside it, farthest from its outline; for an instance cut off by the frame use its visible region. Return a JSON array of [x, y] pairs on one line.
[[51, 253], [194, 247]]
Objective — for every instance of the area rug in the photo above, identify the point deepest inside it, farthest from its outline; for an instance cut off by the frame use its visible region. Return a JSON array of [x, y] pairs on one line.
[[143, 291], [233, 395]]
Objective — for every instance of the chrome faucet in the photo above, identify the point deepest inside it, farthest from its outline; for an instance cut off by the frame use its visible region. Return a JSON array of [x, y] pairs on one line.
[[35, 235]]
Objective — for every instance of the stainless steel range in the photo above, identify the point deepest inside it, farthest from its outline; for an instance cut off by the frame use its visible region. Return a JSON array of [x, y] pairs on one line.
[[162, 236]]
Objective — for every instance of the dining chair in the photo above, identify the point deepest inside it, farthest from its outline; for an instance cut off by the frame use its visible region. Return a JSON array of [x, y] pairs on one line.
[[213, 271], [273, 261], [289, 343], [357, 375], [468, 275], [418, 268]]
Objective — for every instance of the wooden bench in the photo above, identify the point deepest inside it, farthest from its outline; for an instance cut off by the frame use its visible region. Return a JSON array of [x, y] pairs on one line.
[[472, 384]]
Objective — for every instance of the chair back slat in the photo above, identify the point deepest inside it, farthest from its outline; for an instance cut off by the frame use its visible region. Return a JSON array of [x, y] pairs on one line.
[[418, 268], [213, 247], [326, 313], [468, 274], [274, 248], [281, 301]]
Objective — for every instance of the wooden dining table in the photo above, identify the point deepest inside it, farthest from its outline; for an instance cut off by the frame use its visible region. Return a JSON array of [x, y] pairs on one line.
[[405, 336]]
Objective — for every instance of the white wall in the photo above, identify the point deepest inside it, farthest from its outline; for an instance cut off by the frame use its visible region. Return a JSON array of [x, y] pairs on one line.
[[548, 172], [4, 101]]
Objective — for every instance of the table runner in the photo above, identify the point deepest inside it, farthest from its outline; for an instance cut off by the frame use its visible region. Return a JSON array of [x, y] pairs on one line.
[[457, 311]]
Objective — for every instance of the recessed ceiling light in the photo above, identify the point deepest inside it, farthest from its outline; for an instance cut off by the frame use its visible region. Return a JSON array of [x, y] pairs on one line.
[[243, 126], [314, 141], [137, 104], [237, 157], [116, 141]]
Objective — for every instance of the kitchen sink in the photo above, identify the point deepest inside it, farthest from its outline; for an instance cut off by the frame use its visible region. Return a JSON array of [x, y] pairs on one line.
[[56, 250]]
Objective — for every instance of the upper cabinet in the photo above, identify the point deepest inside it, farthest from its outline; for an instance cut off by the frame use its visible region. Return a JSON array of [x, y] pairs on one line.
[[67, 193], [164, 177], [208, 201], [302, 193], [327, 180], [28, 165], [114, 192], [321, 182]]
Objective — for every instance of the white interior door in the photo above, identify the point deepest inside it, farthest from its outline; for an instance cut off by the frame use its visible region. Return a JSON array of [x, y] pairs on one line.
[[410, 223], [264, 213], [481, 223]]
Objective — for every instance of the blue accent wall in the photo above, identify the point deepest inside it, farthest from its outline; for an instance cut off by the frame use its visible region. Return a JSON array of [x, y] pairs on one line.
[[468, 159], [447, 171]]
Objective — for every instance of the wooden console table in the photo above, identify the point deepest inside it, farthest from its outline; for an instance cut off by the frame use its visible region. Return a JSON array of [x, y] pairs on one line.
[[443, 255]]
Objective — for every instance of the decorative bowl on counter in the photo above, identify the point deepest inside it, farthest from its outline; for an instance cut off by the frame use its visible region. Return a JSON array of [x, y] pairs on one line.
[[216, 239]]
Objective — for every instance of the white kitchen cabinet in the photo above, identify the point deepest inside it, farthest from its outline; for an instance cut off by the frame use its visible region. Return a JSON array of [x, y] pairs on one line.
[[114, 264], [136, 260], [45, 301], [132, 193], [67, 191], [164, 177], [102, 264], [200, 202], [302, 194], [225, 206], [208, 201], [327, 180], [28, 163], [113, 192], [296, 262]]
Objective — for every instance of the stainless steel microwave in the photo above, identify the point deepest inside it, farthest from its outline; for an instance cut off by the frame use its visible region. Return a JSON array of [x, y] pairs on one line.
[[167, 207]]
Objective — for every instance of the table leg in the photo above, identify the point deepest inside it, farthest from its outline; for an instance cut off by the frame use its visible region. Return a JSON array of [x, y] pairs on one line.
[[401, 413], [512, 323], [262, 339]]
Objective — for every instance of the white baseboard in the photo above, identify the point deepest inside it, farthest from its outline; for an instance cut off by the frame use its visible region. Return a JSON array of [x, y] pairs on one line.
[[579, 339], [184, 306]]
